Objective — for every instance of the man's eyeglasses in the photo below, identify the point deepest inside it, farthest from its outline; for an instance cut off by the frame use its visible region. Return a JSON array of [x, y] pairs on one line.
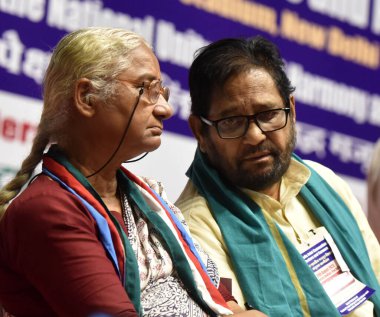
[[153, 90], [237, 126]]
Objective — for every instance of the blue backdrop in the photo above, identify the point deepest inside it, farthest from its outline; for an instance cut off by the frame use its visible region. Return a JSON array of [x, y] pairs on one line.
[[330, 46]]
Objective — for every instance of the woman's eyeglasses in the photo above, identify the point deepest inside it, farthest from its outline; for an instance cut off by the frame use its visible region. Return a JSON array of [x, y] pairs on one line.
[[155, 89]]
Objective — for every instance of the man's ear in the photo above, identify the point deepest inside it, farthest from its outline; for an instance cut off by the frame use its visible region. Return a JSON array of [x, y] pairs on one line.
[[292, 102], [82, 99], [196, 127]]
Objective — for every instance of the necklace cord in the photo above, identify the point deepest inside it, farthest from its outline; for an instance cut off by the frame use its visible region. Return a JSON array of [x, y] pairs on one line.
[[141, 91]]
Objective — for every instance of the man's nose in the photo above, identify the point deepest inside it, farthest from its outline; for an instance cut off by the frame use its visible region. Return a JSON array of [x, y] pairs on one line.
[[254, 135]]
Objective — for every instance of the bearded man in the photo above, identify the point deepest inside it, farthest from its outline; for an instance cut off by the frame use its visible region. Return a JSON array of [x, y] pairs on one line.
[[288, 234]]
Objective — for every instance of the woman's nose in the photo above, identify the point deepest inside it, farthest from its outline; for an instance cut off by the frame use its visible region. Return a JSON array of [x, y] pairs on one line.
[[163, 109]]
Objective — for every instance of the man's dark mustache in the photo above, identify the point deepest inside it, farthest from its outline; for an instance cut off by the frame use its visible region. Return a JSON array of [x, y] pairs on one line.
[[252, 149]]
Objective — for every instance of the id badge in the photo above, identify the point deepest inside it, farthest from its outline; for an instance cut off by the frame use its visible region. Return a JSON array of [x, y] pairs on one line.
[[323, 257]]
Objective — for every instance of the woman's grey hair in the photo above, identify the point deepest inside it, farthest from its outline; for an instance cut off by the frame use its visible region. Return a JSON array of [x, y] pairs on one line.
[[98, 54]]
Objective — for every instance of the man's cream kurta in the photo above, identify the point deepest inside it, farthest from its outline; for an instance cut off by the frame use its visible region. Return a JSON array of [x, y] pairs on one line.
[[290, 213]]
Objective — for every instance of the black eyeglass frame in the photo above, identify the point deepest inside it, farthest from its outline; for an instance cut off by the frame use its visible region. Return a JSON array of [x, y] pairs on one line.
[[249, 118]]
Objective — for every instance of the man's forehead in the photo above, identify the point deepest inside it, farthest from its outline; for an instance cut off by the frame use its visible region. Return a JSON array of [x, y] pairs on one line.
[[245, 95]]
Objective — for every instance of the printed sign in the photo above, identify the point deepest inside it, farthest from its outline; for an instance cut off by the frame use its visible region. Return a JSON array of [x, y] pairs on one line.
[[331, 49]]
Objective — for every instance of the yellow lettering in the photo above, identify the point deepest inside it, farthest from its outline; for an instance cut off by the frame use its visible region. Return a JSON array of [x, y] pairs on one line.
[[354, 48], [302, 31], [249, 13]]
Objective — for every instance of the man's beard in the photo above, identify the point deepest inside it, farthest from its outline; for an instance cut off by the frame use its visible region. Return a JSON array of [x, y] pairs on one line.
[[252, 178]]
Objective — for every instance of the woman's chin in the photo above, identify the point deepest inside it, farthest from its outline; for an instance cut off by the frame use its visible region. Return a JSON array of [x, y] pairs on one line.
[[154, 145]]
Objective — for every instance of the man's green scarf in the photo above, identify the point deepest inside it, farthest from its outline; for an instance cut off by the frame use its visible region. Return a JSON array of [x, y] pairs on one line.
[[271, 272]]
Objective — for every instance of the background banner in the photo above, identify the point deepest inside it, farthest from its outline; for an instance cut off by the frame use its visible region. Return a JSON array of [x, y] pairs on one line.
[[331, 49]]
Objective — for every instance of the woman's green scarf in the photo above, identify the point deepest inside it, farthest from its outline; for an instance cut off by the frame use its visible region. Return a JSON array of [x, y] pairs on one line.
[[271, 272], [185, 260]]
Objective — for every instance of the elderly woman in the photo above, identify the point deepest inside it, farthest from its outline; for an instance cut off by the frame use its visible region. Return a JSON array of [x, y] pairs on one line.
[[86, 236]]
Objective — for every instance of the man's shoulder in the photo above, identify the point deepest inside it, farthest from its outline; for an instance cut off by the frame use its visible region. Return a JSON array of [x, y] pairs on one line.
[[191, 201], [188, 194], [198, 215], [336, 182], [325, 172], [321, 169]]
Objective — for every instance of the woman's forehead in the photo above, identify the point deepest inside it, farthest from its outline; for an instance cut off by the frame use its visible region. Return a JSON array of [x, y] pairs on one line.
[[143, 65]]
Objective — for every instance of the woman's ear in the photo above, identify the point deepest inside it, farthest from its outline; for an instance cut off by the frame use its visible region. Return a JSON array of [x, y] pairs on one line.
[[82, 100], [196, 127]]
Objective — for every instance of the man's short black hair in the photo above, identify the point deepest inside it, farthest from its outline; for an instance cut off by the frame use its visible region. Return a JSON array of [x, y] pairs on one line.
[[215, 63]]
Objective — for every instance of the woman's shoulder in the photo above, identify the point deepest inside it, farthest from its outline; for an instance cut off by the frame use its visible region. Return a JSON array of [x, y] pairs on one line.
[[43, 201], [156, 185]]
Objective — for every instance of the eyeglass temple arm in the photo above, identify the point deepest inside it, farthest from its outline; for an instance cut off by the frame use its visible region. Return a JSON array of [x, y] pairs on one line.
[[208, 122], [166, 93]]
